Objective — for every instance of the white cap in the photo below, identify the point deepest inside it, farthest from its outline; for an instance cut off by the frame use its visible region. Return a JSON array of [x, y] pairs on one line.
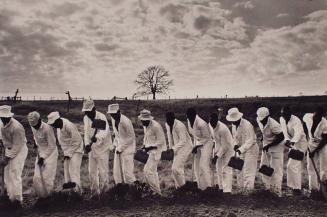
[[145, 115], [262, 113], [5, 111], [113, 108], [52, 117], [234, 115], [33, 118], [88, 105]]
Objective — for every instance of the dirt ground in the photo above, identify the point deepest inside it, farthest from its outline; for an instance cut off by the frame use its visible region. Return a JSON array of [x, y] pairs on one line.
[[258, 204]]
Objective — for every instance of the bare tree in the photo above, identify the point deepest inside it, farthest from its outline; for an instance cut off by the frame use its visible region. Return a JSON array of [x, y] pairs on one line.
[[153, 80]]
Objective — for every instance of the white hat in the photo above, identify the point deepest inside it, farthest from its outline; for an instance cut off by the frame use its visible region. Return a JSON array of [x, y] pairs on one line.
[[113, 108], [52, 117], [5, 111], [234, 115], [262, 113], [33, 118], [145, 115], [88, 105]]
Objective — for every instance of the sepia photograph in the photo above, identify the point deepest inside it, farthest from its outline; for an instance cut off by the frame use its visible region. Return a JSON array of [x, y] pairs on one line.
[[144, 108]]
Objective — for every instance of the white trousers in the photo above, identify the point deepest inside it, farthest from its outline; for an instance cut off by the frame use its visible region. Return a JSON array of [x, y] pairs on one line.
[[294, 174], [124, 162], [180, 159], [321, 158], [246, 177], [13, 175], [72, 170], [99, 173], [225, 173], [48, 173], [202, 170], [275, 160], [151, 171]]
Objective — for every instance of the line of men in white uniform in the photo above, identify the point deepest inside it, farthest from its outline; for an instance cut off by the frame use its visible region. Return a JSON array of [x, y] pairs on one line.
[[212, 143]]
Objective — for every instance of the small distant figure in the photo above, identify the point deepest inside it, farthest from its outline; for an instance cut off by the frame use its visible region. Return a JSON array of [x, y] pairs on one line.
[[69, 100], [15, 97]]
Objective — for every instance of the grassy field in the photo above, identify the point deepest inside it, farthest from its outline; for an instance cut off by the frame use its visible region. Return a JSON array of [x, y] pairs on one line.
[[158, 108]]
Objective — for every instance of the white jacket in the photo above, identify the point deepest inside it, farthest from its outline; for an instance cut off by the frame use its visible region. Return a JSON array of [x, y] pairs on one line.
[[223, 139], [269, 132], [200, 131], [321, 129], [124, 135], [13, 137], [103, 136], [45, 140], [178, 137], [70, 139], [245, 137], [294, 132], [154, 136]]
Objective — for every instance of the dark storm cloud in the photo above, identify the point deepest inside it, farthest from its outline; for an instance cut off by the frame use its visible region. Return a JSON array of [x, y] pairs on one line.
[[64, 10], [202, 23], [75, 44], [105, 47], [174, 13], [265, 12]]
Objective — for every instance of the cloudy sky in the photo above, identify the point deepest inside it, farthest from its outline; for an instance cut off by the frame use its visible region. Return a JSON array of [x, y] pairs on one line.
[[210, 47]]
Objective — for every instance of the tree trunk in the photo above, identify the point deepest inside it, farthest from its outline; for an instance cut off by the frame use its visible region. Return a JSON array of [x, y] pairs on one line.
[[153, 95]]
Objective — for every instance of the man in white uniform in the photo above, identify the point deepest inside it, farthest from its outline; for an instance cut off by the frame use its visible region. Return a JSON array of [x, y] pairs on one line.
[[272, 150], [125, 146], [296, 140], [71, 143], [154, 144], [97, 147], [223, 151], [316, 124], [202, 148], [180, 142], [246, 147], [47, 155], [14, 141]]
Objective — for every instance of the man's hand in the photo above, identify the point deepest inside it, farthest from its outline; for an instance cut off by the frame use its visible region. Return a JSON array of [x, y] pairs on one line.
[[195, 149], [147, 149], [266, 148], [214, 160], [40, 162], [6, 160], [88, 148], [236, 147], [94, 139], [312, 154], [289, 144], [66, 158]]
